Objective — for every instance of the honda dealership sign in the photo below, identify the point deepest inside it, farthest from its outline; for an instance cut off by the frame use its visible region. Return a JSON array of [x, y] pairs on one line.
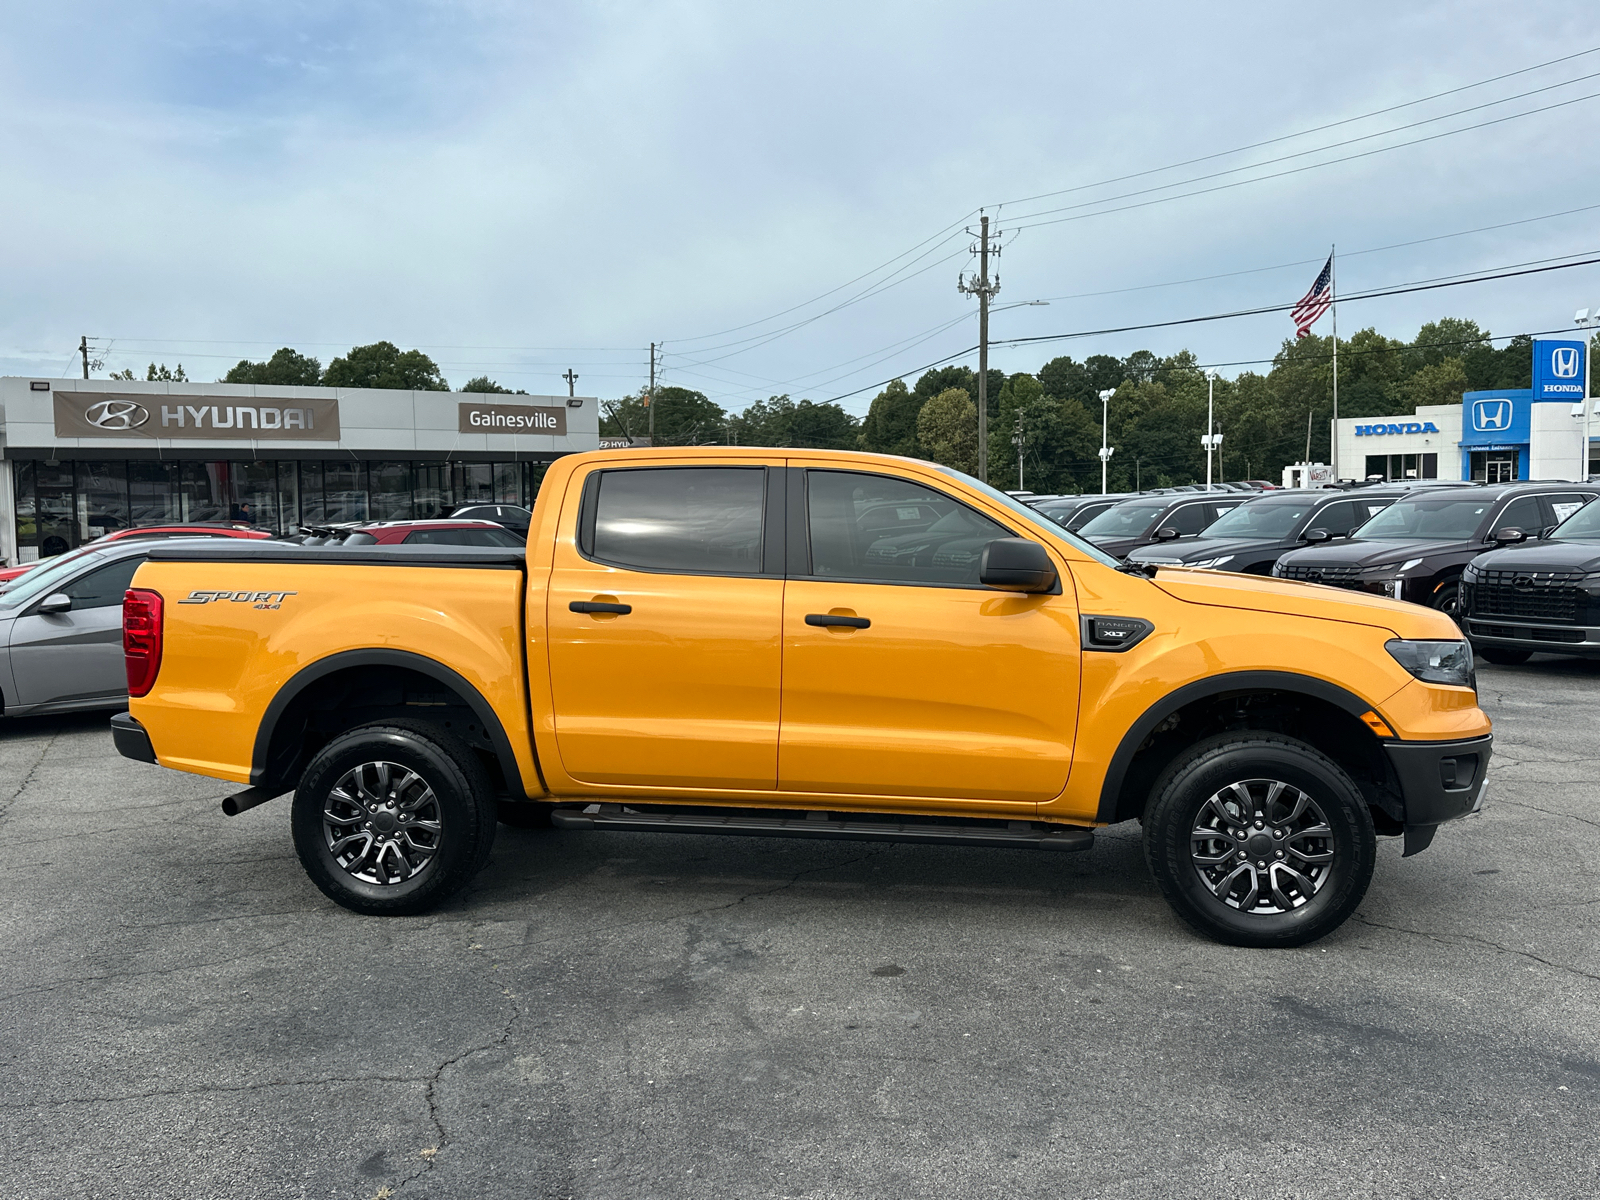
[[99, 415], [1558, 370]]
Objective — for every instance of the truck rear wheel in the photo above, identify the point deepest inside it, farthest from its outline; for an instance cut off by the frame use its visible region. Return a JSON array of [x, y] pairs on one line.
[[393, 818], [1259, 840]]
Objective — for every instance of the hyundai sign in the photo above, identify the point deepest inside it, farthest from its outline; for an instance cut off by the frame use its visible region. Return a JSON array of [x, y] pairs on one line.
[[1558, 370]]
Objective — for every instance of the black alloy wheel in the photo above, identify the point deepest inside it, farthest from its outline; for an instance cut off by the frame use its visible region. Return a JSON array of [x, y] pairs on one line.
[[393, 818], [1504, 656], [1447, 600], [1259, 840]]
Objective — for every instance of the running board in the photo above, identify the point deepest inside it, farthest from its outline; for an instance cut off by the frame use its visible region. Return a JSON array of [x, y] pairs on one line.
[[1011, 835]]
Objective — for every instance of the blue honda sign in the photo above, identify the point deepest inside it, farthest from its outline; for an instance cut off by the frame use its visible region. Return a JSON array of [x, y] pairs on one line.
[[1558, 372], [1496, 419]]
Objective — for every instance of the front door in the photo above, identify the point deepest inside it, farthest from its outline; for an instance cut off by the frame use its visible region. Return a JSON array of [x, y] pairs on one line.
[[664, 610], [62, 658], [903, 676]]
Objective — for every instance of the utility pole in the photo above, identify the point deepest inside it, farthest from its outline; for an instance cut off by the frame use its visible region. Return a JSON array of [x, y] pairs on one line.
[[83, 349], [1212, 440], [572, 382], [1019, 440], [650, 400], [981, 287], [1105, 451]]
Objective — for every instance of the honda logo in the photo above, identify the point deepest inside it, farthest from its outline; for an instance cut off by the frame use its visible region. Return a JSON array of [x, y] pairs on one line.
[[116, 414], [1491, 416], [1564, 362]]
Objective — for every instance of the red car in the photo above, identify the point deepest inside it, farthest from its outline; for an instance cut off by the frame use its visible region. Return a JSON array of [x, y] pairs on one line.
[[198, 529], [448, 532]]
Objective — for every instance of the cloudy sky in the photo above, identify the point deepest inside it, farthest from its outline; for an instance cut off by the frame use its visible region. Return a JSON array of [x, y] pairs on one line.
[[522, 188]]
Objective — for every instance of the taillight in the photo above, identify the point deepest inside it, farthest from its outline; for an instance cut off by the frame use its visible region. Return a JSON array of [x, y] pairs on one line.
[[141, 638]]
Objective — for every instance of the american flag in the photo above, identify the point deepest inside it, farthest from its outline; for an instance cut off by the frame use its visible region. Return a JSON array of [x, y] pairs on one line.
[[1316, 302]]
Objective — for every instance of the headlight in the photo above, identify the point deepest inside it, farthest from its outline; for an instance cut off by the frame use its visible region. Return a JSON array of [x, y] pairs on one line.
[[1435, 662], [1409, 563], [1211, 562]]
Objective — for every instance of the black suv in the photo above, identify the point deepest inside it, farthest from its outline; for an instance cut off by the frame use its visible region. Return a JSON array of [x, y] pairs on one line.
[[1145, 520], [1537, 594], [1252, 537], [1072, 513], [1416, 548]]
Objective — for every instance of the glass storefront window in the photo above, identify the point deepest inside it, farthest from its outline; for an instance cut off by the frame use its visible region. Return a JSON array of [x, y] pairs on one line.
[[288, 497], [391, 491], [253, 493], [26, 506], [508, 483], [474, 483], [312, 509], [431, 491], [53, 495], [344, 491], [153, 493]]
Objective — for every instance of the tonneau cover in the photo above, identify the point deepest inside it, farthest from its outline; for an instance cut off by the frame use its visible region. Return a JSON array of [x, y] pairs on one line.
[[504, 558]]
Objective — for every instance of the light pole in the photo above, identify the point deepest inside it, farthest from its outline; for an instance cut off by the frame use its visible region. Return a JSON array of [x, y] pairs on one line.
[[1105, 451], [1019, 440], [1210, 441], [1586, 319]]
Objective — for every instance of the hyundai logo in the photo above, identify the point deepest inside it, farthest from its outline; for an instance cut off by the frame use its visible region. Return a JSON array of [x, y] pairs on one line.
[[1564, 362], [116, 414], [1490, 416]]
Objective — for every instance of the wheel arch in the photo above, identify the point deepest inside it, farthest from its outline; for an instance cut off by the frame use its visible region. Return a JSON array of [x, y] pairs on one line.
[[279, 753], [1324, 714]]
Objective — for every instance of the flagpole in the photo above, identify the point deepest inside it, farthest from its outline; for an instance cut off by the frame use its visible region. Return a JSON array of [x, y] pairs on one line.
[[1333, 297]]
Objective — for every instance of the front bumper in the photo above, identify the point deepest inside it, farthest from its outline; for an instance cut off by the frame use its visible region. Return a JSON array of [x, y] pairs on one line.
[[1439, 781], [1517, 634], [130, 739]]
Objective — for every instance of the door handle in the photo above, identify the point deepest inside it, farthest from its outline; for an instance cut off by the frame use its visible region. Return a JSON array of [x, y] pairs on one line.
[[828, 619], [600, 606]]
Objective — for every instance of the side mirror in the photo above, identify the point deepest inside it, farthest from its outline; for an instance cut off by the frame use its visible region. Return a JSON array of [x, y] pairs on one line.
[[1318, 535], [58, 603], [1016, 565], [1509, 536], [1167, 533]]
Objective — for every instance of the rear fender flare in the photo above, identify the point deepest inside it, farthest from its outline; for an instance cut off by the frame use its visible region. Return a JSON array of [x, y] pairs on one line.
[[306, 677]]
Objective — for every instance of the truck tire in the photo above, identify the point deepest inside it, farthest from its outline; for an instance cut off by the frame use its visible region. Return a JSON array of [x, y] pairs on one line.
[[393, 818], [1257, 839]]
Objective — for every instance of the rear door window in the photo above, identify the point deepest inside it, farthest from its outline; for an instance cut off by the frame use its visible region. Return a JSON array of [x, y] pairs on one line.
[[1186, 519], [695, 520], [1338, 519]]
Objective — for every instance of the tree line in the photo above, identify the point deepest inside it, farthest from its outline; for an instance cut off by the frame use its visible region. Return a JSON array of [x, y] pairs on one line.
[[1155, 417], [1049, 418]]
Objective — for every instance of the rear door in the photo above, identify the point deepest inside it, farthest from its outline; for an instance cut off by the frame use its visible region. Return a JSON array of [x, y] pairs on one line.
[[59, 658], [664, 609], [903, 676]]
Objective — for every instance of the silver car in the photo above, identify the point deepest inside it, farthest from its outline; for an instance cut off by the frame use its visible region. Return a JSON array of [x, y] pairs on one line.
[[61, 632]]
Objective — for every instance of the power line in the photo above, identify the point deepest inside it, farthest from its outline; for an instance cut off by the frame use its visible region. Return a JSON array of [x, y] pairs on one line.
[[1305, 132], [1307, 167]]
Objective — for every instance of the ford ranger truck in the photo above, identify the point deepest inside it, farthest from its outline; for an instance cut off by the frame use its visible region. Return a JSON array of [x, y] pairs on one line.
[[805, 644]]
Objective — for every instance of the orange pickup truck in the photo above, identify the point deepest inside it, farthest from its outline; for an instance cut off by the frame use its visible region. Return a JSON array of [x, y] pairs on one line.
[[805, 644]]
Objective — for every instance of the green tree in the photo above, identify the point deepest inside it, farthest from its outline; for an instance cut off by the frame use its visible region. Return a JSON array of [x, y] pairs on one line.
[[482, 383], [947, 430], [1059, 439], [286, 368], [155, 374], [891, 423], [684, 417], [1439, 382], [780, 421], [385, 365]]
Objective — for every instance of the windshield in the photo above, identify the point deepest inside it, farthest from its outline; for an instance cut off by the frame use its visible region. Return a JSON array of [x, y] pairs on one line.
[[42, 580], [1583, 525], [1129, 519], [1438, 520], [1032, 516], [1261, 519]]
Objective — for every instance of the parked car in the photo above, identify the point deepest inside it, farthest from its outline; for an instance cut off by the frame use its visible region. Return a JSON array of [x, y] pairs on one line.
[[1417, 547], [61, 629], [513, 516], [1146, 520], [1074, 512], [1536, 594], [449, 532], [145, 532], [1252, 537], [704, 667]]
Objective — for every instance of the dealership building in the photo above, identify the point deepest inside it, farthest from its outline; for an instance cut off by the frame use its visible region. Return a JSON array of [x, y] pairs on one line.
[[85, 457], [1492, 436]]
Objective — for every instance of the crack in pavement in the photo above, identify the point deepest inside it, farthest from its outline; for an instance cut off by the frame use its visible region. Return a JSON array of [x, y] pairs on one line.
[[216, 962], [5, 808], [1547, 812], [1455, 939], [216, 1089]]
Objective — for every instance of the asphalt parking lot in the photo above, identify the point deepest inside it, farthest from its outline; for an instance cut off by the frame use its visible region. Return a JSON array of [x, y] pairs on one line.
[[622, 1015]]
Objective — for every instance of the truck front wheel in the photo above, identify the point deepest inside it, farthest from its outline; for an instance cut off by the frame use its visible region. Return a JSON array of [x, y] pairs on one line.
[[1259, 840], [393, 818]]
